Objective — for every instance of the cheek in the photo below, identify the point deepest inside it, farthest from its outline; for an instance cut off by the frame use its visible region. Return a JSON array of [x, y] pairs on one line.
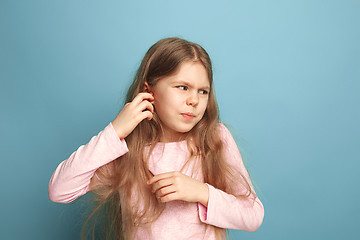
[[157, 100], [204, 104], [160, 105]]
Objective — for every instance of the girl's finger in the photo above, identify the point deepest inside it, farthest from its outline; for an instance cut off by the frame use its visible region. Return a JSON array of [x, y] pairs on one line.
[[145, 105], [141, 96], [160, 176], [169, 197], [161, 184], [143, 115], [165, 191]]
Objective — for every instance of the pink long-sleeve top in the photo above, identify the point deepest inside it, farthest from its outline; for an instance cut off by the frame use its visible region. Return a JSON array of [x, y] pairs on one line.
[[180, 219]]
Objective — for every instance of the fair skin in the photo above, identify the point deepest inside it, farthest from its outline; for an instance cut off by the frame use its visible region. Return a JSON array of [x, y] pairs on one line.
[[180, 101]]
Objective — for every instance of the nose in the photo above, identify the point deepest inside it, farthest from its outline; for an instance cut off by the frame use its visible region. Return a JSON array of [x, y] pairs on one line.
[[193, 99]]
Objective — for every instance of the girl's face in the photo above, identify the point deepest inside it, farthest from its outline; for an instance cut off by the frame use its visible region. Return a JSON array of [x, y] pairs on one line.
[[181, 99]]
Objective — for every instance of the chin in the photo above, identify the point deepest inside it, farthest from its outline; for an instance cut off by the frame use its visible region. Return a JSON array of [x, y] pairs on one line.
[[186, 129]]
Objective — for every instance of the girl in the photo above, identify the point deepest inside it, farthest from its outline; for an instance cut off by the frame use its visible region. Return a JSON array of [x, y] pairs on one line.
[[165, 168]]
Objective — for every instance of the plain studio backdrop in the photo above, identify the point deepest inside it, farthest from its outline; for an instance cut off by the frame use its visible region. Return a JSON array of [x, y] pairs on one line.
[[286, 77]]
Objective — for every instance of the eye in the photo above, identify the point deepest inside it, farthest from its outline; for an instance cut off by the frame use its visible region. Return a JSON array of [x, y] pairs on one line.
[[183, 87], [203, 92]]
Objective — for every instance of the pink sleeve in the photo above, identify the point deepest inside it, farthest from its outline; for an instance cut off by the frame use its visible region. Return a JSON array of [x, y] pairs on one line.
[[225, 210], [72, 177]]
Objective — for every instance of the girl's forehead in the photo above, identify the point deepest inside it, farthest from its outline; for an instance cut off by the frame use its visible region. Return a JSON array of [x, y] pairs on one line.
[[192, 83], [189, 73]]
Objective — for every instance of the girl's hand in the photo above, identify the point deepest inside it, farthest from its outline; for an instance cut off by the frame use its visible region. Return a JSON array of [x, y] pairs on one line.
[[177, 186], [133, 113]]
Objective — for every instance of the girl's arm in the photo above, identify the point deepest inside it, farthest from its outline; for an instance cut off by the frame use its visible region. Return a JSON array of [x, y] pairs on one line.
[[225, 210], [72, 177]]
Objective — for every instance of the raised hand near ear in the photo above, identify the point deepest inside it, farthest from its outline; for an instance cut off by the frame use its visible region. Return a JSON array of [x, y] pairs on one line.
[[133, 113]]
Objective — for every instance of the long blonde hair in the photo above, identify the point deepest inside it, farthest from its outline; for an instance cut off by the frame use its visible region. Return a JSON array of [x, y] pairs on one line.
[[115, 182]]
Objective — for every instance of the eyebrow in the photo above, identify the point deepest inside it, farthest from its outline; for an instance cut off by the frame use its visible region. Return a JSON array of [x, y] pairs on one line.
[[207, 87]]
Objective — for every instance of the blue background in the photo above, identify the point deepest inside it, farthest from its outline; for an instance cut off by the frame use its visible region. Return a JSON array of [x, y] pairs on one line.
[[287, 80]]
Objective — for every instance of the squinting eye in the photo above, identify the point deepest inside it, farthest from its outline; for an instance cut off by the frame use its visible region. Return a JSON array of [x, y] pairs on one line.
[[203, 92], [183, 87]]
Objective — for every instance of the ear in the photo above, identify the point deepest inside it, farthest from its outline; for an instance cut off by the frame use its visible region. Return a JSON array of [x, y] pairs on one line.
[[147, 88]]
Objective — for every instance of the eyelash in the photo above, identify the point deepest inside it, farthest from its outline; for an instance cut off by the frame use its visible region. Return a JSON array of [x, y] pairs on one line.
[[181, 87], [204, 92]]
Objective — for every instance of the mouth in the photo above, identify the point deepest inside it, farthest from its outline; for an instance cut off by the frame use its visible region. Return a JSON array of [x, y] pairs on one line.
[[188, 115]]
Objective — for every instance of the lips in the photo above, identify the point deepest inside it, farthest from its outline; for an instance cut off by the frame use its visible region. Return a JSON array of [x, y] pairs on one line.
[[188, 115]]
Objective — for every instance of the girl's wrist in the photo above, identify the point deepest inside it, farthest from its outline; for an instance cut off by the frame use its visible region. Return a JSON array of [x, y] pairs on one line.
[[117, 129], [204, 196]]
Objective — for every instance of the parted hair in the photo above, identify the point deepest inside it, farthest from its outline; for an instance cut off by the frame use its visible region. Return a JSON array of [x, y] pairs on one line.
[[115, 183]]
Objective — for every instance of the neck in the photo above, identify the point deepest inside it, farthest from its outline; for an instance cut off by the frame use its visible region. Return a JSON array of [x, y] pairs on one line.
[[167, 136]]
